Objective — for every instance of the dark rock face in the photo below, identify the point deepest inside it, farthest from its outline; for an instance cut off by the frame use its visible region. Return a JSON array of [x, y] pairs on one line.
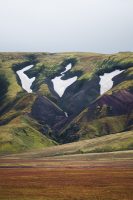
[[3, 86], [46, 112], [118, 103], [79, 95]]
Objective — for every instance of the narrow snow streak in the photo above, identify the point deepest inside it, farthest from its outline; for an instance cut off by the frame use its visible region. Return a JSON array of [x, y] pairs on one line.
[[66, 114], [61, 85], [106, 82], [68, 67], [25, 80]]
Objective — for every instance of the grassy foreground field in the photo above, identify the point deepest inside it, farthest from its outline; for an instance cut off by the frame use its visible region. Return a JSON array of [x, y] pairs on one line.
[[98, 176], [109, 143]]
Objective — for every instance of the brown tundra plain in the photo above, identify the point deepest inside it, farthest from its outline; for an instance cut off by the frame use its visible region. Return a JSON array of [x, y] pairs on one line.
[[79, 177]]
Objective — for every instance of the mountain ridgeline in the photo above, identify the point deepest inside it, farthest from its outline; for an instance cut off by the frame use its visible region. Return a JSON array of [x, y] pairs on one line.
[[42, 118]]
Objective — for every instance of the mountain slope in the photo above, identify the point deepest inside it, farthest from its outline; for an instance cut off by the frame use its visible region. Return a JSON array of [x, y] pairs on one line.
[[42, 118], [110, 113]]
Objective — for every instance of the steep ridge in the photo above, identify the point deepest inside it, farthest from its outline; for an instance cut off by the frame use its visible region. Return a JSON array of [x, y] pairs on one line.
[[108, 114], [45, 111]]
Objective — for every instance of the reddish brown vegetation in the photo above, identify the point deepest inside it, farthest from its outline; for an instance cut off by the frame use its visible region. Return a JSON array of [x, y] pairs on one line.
[[67, 180]]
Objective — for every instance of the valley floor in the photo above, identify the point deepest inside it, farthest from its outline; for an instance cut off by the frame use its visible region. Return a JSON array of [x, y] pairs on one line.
[[103, 176]]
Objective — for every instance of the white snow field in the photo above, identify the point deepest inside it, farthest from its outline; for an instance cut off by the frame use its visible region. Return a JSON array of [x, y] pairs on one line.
[[106, 82], [61, 85], [25, 80]]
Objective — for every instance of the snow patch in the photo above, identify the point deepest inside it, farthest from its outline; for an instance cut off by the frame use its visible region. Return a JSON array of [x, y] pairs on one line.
[[66, 114], [25, 80], [106, 82], [61, 85]]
